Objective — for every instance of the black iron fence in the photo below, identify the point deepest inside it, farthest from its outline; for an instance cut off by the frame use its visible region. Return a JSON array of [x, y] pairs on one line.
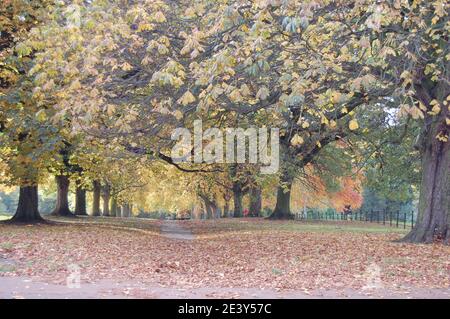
[[392, 219]]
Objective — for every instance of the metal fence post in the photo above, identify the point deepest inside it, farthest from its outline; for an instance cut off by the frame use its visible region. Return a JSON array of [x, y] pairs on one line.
[[412, 219], [404, 220], [398, 213]]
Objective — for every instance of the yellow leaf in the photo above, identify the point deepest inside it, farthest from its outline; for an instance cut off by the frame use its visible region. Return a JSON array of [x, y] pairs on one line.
[[187, 98], [178, 114], [159, 17], [353, 125], [245, 90], [336, 97], [442, 137], [416, 113], [436, 108], [235, 96], [262, 93], [422, 106], [189, 13], [41, 116], [296, 140], [126, 66], [145, 27], [110, 109]]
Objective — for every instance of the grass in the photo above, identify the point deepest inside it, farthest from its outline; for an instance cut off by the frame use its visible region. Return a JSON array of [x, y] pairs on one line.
[[303, 226], [6, 246], [324, 226], [7, 268]]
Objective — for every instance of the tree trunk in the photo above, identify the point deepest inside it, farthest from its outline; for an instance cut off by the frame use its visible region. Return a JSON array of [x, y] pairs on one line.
[[27, 209], [126, 211], [96, 199], [80, 201], [255, 201], [226, 209], [282, 207], [237, 199], [114, 207], [62, 197], [106, 196], [209, 210], [433, 221]]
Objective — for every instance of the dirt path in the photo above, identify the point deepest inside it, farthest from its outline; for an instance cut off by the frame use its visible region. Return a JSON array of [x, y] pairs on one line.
[[174, 230]]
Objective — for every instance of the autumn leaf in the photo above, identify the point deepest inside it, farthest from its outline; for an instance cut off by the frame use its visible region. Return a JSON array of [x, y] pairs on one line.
[[262, 93], [187, 98], [159, 17], [353, 125], [297, 140]]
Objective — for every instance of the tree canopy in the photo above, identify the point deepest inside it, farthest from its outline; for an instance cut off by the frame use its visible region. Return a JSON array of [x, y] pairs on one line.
[[94, 89]]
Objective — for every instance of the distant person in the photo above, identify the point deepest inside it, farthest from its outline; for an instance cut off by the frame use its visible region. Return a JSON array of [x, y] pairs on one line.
[[347, 211]]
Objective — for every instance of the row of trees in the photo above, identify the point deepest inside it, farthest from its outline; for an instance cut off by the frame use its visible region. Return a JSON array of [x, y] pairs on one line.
[[108, 78]]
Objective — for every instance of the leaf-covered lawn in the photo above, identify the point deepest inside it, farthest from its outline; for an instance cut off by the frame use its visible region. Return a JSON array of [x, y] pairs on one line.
[[248, 253]]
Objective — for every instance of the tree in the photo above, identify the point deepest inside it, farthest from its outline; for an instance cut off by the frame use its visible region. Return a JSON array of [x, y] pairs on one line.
[[22, 137]]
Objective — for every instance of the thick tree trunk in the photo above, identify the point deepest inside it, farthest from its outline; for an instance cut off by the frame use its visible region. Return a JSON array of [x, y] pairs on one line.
[[62, 197], [114, 207], [433, 221], [237, 199], [27, 209], [96, 199], [106, 197], [80, 201], [255, 201], [282, 207]]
